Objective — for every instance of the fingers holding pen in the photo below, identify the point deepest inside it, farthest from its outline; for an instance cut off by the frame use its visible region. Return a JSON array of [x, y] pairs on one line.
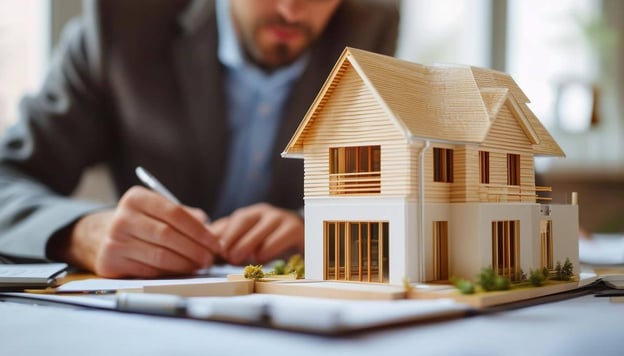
[[162, 244], [187, 221], [161, 233], [259, 233], [137, 258]]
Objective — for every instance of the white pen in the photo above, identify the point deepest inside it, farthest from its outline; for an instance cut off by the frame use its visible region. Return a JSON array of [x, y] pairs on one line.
[[161, 304], [148, 179], [151, 181]]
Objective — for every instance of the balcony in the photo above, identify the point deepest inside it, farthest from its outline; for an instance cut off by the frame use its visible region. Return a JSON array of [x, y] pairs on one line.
[[500, 193], [355, 183]]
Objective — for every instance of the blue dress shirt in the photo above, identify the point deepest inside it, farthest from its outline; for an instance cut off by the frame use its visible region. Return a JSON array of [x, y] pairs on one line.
[[254, 107]]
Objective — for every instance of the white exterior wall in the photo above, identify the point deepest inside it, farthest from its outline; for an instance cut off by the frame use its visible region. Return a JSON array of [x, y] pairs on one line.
[[470, 234], [402, 218], [565, 234]]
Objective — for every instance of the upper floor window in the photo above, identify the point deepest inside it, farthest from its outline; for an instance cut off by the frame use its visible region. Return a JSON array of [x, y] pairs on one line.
[[513, 169], [442, 165], [484, 167], [355, 170]]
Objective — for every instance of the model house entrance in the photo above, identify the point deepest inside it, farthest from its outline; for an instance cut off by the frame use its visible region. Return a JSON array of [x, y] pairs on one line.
[[440, 251], [356, 251], [546, 244], [506, 248]]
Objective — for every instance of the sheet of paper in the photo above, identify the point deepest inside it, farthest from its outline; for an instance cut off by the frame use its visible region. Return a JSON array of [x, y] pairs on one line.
[[91, 301], [209, 275], [317, 315], [96, 284], [321, 315]]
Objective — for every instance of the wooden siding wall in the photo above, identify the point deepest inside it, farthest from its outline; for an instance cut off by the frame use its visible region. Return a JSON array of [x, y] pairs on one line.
[[437, 192], [466, 174], [353, 117], [506, 136]]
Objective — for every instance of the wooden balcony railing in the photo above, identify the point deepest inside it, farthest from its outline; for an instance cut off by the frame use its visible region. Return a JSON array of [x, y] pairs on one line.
[[355, 183], [512, 193]]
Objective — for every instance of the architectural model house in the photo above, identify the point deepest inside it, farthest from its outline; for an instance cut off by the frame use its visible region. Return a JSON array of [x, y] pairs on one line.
[[425, 172]]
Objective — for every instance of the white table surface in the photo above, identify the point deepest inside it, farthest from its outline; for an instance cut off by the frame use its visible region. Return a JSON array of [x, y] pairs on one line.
[[581, 326]]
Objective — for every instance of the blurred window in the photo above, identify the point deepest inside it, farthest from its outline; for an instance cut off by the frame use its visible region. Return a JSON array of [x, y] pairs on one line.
[[446, 31], [23, 52], [551, 54]]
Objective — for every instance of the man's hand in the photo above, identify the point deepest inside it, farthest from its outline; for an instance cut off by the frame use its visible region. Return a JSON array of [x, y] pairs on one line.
[[258, 233], [146, 235]]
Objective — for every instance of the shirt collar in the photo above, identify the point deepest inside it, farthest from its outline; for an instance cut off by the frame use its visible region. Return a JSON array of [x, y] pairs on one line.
[[229, 52]]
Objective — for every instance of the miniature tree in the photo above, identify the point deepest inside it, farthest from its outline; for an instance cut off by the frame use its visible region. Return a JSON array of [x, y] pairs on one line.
[[564, 272]]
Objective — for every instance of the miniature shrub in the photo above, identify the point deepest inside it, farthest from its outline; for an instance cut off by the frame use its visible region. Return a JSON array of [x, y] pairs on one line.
[[407, 286], [253, 272], [537, 277], [464, 286], [296, 265], [486, 278], [279, 268], [490, 281], [523, 276], [501, 283], [546, 273]]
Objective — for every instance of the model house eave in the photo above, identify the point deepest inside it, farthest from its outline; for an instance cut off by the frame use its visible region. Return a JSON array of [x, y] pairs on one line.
[[437, 103]]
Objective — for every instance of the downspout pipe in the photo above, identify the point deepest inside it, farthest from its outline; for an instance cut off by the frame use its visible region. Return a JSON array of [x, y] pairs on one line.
[[421, 209]]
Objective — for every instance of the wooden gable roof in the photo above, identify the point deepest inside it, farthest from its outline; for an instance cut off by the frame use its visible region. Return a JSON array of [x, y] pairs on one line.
[[456, 104]]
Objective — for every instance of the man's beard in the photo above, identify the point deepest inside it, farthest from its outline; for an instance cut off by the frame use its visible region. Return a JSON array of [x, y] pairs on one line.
[[280, 54]]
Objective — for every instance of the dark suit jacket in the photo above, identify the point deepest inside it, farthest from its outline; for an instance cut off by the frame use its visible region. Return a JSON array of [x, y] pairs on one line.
[[139, 83]]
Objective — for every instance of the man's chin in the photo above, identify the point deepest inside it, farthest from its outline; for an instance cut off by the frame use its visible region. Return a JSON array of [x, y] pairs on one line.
[[279, 57]]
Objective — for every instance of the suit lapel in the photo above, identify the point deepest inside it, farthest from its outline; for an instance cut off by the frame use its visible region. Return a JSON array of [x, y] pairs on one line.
[[200, 78], [303, 93]]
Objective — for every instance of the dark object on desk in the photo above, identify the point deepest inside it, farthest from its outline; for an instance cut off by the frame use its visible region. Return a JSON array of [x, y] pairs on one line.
[[17, 277]]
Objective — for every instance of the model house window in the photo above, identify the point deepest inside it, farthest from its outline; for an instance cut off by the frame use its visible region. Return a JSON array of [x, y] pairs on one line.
[[513, 169], [440, 251], [442, 165], [484, 167], [356, 251], [546, 244], [506, 248], [355, 170]]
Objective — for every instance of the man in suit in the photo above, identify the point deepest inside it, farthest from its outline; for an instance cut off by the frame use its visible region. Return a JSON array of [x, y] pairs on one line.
[[204, 94]]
